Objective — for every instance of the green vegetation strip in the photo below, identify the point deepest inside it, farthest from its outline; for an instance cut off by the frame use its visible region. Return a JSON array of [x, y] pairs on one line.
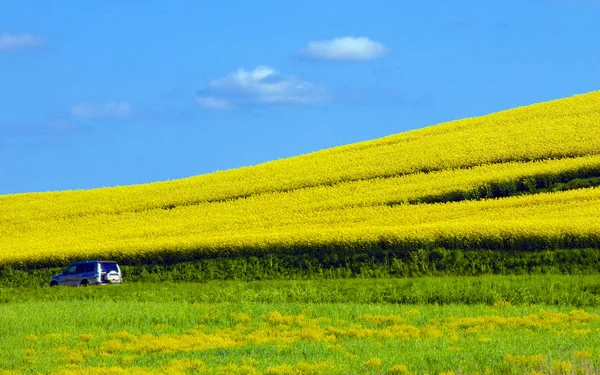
[[577, 291], [377, 260], [548, 183]]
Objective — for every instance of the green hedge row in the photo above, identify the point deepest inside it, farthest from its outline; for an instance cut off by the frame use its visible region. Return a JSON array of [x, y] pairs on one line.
[[338, 265]]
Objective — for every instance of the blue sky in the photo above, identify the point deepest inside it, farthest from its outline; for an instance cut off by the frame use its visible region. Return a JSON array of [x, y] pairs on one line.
[[112, 93]]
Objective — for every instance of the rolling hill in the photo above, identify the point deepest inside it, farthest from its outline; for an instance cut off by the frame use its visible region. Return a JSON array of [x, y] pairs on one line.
[[516, 181]]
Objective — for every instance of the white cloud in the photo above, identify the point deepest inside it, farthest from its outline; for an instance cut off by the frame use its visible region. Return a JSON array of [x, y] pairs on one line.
[[213, 103], [83, 111], [10, 42], [110, 110], [262, 85], [346, 48]]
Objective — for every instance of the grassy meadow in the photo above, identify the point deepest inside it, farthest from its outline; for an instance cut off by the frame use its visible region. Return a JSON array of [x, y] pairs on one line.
[[469, 247], [307, 327]]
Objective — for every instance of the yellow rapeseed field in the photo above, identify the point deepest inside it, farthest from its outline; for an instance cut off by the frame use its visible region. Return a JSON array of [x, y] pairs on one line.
[[368, 192]]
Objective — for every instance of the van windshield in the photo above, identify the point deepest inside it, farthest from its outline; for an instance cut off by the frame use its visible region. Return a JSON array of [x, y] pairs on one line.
[[108, 267]]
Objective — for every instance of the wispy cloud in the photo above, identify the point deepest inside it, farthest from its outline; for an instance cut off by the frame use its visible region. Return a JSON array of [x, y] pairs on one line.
[[347, 48], [262, 85], [111, 110], [12, 42], [213, 103]]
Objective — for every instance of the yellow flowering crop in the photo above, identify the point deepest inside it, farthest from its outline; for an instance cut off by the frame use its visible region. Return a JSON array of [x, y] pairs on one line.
[[361, 193]]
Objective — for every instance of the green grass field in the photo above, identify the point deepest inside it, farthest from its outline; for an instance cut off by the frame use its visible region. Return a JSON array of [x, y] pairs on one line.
[[492, 324]]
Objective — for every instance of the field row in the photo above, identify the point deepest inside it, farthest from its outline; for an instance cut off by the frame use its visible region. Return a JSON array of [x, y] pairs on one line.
[[568, 219], [553, 130], [477, 182]]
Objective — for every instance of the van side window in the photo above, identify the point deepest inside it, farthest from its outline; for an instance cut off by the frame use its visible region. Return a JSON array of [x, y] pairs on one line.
[[70, 269], [84, 268]]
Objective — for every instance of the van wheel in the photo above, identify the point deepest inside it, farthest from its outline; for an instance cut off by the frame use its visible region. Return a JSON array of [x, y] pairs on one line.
[[109, 277], [83, 283], [53, 283]]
